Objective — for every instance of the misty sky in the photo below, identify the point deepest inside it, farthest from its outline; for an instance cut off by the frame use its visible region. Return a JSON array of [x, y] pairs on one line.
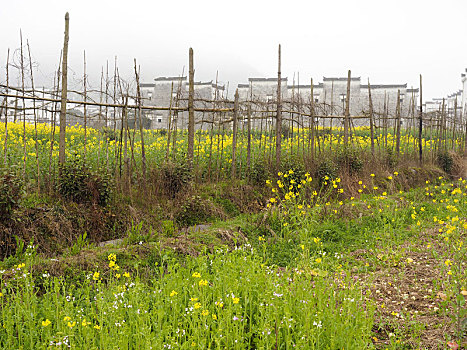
[[389, 41]]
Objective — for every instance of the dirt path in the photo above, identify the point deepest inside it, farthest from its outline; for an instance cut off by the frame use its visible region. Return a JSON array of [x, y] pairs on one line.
[[408, 294]]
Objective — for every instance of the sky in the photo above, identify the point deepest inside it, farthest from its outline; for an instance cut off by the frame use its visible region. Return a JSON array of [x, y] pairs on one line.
[[387, 41]]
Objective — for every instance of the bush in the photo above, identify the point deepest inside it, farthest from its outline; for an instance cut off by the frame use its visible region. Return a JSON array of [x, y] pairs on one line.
[[259, 173], [78, 183], [11, 192], [295, 170], [176, 176], [350, 159], [390, 159], [445, 161], [326, 168], [194, 211]]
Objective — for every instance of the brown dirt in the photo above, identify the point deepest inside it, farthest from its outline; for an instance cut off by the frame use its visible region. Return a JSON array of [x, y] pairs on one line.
[[408, 297]]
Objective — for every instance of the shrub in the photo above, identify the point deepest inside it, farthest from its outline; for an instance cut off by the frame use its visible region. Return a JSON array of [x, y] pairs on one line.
[[259, 173], [326, 168], [78, 183], [194, 211], [445, 161], [295, 170], [350, 159], [176, 176], [390, 159], [10, 192]]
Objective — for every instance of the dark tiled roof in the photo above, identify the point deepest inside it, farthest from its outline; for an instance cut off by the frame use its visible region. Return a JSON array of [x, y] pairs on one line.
[[320, 85], [170, 78], [147, 84], [385, 86], [341, 79], [266, 79], [243, 86]]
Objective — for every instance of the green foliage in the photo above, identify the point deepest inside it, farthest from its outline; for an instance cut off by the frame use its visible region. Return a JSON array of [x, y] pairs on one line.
[[11, 192], [445, 161], [390, 158], [176, 176], [80, 243], [350, 159], [259, 172], [79, 183], [168, 228], [327, 169], [194, 210]]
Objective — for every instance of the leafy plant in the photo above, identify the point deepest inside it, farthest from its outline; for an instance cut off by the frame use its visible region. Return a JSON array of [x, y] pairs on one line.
[[176, 176], [11, 192], [78, 183]]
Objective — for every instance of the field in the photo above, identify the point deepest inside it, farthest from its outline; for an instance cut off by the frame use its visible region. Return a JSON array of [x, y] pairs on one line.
[[342, 249]]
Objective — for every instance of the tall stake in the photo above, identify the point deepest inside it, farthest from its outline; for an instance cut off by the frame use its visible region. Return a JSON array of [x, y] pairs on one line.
[[85, 111], [61, 147], [279, 113], [141, 131], [420, 124], [35, 119], [372, 135], [5, 146], [234, 135], [398, 122], [347, 113], [191, 110]]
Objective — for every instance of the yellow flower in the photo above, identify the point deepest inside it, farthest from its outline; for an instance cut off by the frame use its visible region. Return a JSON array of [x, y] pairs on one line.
[[1, 294], [235, 300], [318, 260], [203, 283], [126, 274], [205, 312], [214, 317], [46, 323], [112, 257], [372, 175], [193, 299], [66, 318], [409, 260], [97, 327], [173, 293], [197, 305], [389, 177], [196, 275], [118, 275], [85, 323], [448, 262], [71, 325], [272, 200], [95, 276]]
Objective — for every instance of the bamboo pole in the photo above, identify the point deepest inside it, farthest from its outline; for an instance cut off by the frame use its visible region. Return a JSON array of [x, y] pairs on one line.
[[398, 122], [85, 111], [372, 132], [279, 113], [35, 121], [5, 145], [420, 125], [61, 154], [347, 112], [141, 131], [191, 111], [234, 136]]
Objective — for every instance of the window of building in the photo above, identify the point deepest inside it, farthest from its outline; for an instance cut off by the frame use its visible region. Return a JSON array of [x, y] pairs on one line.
[[159, 120], [269, 97], [150, 94]]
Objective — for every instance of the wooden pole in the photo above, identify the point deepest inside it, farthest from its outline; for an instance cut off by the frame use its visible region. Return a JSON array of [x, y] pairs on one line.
[[372, 132], [85, 111], [420, 125], [347, 112], [279, 113], [61, 147], [141, 131], [398, 122], [5, 146], [311, 137], [35, 120], [191, 111], [234, 136]]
